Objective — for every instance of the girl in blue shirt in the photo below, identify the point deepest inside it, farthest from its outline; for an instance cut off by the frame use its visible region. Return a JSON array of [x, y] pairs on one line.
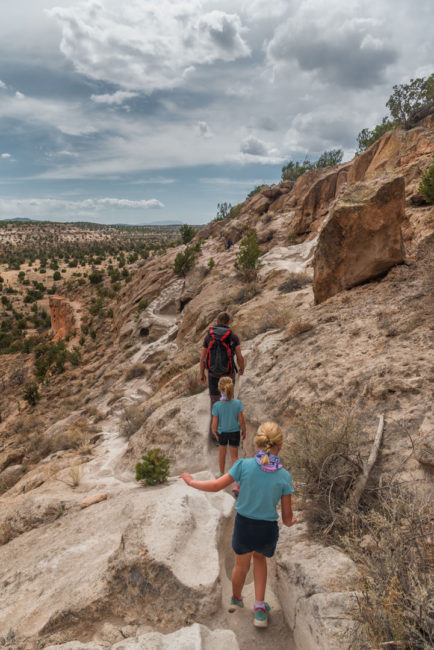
[[228, 425], [264, 483]]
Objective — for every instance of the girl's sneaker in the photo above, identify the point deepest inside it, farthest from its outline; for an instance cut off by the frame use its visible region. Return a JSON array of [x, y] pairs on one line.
[[261, 616], [236, 490], [218, 474], [235, 604]]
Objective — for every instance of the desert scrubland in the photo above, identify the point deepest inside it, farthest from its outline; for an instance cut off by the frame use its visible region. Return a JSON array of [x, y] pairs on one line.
[[100, 365]]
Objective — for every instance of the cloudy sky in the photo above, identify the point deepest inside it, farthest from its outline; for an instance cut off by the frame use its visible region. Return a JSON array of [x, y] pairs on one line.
[[148, 110]]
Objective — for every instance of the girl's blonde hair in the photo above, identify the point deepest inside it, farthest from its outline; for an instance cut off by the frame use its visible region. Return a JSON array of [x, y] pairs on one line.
[[269, 435], [226, 386]]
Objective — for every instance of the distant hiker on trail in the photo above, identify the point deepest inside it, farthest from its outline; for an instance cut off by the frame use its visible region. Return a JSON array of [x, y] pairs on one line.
[[229, 243], [220, 346], [227, 421], [263, 483]]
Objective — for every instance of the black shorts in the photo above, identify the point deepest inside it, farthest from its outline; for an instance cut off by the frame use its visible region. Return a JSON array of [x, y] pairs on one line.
[[254, 535], [231, 438]]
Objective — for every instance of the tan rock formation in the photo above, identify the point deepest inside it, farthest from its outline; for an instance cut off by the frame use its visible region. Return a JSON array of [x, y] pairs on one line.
[[362, 237], [62, 317]]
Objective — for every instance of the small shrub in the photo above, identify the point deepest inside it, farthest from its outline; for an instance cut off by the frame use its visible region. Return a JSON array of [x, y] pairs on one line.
[[324, 458], [298, 327], [294, 282], [132, 419], [211, 263], [393, 548], [247, 260], [143, 304], [184, 262], [31, 394], [154, 467], [137, 370], [426, 187], [187, 233]]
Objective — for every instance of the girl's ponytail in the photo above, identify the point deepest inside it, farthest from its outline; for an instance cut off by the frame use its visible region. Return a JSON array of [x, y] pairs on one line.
[[226, 386], [269, 435]]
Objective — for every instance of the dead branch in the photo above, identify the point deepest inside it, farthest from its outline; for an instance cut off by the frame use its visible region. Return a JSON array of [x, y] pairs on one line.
[[362, 480]]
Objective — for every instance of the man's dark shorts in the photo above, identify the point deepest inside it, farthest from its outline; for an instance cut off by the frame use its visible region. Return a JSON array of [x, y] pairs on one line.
[[231, 438], [213, 385]]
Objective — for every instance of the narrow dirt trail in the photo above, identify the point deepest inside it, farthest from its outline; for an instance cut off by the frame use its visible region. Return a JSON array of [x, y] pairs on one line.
[[278, 635], [103, 471]]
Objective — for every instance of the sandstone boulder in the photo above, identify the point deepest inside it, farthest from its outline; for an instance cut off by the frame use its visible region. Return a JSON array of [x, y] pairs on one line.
[[316, 588], [133, 555], [195, 637], [362, 237]]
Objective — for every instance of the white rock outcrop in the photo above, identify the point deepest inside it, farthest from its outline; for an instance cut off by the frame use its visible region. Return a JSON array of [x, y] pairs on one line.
[[195, 637], [316, 589], [134, 554]]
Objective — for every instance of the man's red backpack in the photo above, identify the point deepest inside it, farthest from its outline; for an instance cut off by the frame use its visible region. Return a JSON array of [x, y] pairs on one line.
[[219, 354]]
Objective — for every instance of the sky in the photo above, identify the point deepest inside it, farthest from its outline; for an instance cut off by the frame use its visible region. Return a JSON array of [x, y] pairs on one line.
[[144, 111]]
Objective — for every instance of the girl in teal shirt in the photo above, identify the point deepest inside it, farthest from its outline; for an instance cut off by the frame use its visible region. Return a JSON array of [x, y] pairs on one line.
[[228, 425], [264, 483]]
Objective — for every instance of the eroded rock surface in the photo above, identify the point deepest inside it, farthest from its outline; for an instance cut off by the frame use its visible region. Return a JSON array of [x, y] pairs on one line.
[[316, 585], [133, 554], [195, 637], [362, 237]]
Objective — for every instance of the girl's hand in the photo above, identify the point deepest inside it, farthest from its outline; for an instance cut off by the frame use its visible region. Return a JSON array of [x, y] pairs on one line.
[[186, 477], [293, 521], [243, 435], [216, 435]]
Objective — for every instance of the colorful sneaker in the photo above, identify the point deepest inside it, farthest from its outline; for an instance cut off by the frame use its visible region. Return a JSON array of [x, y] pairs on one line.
[[235, 604], [236, 490], [218, 474], [261, 616]]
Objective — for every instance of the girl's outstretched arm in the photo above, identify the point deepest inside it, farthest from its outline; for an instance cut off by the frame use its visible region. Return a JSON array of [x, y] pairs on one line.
[[214, 485]]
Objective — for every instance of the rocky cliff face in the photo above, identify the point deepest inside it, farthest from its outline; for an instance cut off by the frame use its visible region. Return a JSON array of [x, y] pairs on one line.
[[119, 568], [63, 321]]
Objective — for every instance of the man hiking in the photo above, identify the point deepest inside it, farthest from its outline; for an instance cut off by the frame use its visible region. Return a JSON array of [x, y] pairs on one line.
[[221, 348]]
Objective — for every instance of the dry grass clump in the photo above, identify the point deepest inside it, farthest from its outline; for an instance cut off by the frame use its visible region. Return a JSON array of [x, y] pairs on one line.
[[193, 385], [272, 317], [115, 397], [298, 327], [245, 293], [132, 419], [294, 282], [324, 457], [72, 477], [137, 370], [394, 549], [78, 436]]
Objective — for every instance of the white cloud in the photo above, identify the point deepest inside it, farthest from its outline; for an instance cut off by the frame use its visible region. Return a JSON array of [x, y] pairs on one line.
[[46, 208], [5, 155], [204, 130], [147, 45], [116, 98], [254, 146], [2, 84]]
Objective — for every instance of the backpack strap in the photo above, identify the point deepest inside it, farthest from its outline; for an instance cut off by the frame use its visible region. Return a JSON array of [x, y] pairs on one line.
[[226, 335], [208, 351]]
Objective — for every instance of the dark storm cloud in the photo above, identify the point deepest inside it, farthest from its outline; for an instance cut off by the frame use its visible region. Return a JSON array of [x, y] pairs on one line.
[[352, 54]]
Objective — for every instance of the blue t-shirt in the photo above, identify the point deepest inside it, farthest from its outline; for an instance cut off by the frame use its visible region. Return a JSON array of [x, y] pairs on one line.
[[227, 413], [260, 491]]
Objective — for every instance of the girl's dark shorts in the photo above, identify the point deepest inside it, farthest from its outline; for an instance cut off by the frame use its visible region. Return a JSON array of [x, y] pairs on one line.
[[254, 535], [231, 438]]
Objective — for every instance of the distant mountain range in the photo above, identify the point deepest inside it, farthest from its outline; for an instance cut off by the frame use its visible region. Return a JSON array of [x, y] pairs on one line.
[[131, 225]]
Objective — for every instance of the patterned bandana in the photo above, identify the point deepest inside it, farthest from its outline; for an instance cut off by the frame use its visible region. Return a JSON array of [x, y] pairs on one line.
[[273, 465]]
